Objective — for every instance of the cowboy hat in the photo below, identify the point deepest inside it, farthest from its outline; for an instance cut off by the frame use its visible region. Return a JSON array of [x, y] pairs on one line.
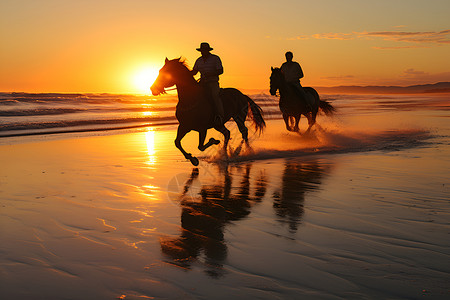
[[204, 46]]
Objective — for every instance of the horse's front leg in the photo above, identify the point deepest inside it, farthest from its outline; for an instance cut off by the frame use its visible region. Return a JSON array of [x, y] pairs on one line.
[[286, 121], [201, 141], [297, 121], [181, 132]]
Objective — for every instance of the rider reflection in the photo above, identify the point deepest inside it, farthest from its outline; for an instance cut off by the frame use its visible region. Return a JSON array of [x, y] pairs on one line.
[[206, 212]]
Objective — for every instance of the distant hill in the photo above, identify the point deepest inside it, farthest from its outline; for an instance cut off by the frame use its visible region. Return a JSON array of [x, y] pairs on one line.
[[441, 87]]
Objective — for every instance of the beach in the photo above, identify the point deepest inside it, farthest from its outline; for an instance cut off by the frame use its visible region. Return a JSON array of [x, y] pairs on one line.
[[357, 209]]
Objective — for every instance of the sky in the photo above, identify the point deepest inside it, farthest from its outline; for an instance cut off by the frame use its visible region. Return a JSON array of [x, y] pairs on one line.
[[116, 46]]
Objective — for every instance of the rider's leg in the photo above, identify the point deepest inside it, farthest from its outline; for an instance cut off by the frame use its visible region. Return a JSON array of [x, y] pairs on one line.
[[305, 95], [215, 91]]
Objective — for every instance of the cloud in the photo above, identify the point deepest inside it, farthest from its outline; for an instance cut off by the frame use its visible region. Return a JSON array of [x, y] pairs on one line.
[[439, 37], [400, 47], [299, 37], [334, 36], [413, 72], [342, 77], [420, 38]]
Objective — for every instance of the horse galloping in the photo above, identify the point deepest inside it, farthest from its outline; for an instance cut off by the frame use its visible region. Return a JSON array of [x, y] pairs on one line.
[[195, 111], [292, 104]]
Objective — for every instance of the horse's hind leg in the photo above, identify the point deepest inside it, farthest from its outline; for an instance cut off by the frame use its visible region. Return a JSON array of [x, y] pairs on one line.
[[240, 121], [311, 120], [201, 141], [313, 117], [181, 132], [226, 133]]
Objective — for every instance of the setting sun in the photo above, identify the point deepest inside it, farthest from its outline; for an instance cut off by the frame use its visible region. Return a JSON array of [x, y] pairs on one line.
[[144, 78]]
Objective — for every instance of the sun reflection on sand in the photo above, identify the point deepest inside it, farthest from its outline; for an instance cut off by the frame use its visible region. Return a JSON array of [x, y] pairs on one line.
[[150, 139]]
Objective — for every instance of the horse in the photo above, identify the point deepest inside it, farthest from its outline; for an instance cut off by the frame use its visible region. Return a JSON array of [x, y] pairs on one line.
[[195, 112], [293, 104]]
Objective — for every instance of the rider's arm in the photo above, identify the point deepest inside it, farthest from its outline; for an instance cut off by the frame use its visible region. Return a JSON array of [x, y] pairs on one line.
[[219, 72], [300, 71], [212, 73], [195, 69], [219, 67]]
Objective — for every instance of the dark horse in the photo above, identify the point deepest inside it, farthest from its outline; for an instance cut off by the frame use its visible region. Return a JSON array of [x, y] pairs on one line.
[[195, 112], [292, 103]]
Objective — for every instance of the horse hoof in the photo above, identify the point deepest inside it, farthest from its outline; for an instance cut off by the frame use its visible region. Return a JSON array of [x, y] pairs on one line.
[[213, 141], [194, 160]]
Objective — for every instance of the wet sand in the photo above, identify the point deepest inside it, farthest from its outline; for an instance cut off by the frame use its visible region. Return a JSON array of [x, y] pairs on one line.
[[358, 209]]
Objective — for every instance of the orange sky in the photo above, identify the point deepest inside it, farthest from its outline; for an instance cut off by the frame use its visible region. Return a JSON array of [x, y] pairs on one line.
[[110, 46]]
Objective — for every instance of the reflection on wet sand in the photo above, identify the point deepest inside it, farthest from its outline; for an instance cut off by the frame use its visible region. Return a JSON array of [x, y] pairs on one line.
[[204, 216], [207, 211], [298, 179]]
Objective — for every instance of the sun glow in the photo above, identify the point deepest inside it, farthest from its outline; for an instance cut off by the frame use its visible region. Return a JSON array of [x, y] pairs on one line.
[[144, 78]]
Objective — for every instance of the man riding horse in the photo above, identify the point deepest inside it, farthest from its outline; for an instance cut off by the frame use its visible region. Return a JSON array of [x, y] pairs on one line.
[[293, 73], [210, 67]]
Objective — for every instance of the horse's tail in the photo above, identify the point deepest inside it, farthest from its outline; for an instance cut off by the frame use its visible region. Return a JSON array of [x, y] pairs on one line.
[[256, 115], [326, 107]]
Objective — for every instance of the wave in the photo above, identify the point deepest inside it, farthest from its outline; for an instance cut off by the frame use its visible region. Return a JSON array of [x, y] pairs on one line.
[[62, 111], [46, 113], [38, 112], [7, 130]]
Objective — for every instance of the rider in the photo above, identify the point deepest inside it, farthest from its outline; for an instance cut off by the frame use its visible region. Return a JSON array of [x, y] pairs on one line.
[[292, 73], [210, 67]]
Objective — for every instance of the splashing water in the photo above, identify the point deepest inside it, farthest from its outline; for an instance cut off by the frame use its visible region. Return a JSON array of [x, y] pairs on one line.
[[320, 140]]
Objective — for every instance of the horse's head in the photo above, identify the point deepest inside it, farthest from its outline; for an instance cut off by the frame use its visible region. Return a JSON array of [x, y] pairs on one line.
[[168, 75], [276, 79]]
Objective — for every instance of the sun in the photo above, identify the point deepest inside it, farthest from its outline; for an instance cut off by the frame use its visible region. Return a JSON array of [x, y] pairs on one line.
[[144, 78]]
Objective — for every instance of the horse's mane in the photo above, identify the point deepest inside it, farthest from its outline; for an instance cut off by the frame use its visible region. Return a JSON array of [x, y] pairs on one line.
[[183, 62]]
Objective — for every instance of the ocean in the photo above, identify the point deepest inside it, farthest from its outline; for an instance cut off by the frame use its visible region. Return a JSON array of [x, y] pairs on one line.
[[24, 114]]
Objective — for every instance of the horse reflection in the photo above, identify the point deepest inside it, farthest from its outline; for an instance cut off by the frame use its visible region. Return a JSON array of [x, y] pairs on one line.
[[298, 179], [206, 213]]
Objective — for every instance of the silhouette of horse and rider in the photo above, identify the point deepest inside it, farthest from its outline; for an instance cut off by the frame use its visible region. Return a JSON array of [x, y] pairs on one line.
[[205, 215], [207, 209], [201, 104], [296, 100]]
